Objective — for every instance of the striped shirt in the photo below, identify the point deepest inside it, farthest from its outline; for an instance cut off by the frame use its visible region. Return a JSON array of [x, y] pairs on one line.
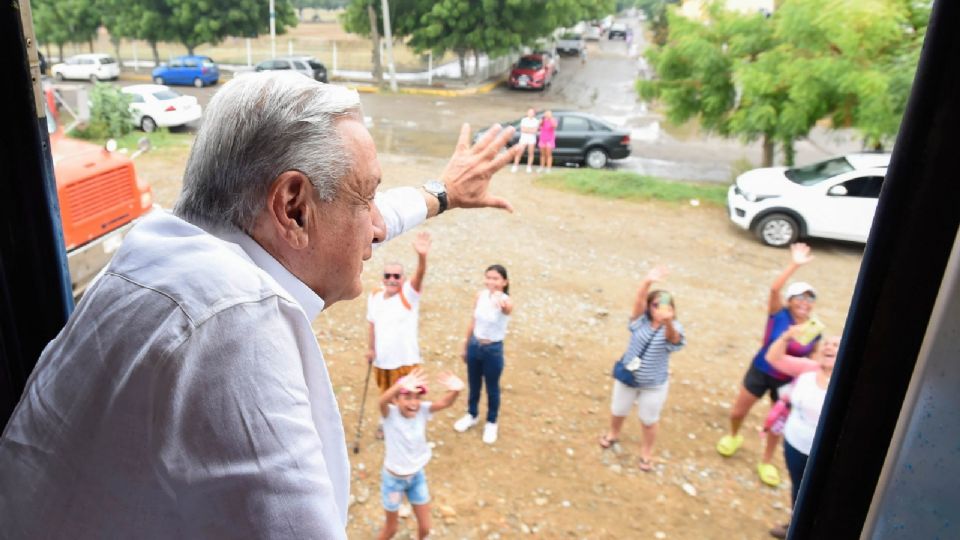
[[655, 348]]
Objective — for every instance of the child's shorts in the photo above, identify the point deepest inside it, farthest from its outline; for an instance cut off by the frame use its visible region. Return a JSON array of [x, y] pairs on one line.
[[393, 488]]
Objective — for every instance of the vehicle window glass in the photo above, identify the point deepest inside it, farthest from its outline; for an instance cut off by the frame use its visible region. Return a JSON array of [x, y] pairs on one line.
[[71, 61], [107, 61], [597, 126], [315, 65], [281, 64], [136, 98], [574, 123], [190, 63], [86, 61], [867, 187], [209, 64], [818, 172], [571, 36], [527, 63], [166, 94], [176, 64], [298, 65]]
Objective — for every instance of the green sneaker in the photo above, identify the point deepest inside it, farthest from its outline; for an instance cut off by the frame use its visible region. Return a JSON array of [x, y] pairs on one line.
[[729, 444], [769, 474]]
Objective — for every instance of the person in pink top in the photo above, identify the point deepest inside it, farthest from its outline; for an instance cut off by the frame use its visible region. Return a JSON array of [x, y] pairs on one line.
[[548, 141], [805, 399]]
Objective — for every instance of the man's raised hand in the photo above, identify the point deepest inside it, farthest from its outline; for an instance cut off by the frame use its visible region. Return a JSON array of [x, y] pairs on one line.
[[467, 174]]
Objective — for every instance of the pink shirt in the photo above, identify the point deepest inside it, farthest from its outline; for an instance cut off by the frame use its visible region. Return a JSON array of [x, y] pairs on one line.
[[548, 130]]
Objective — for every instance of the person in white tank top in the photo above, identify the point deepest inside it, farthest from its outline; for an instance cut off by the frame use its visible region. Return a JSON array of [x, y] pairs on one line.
[[483, 350], [806, 398]]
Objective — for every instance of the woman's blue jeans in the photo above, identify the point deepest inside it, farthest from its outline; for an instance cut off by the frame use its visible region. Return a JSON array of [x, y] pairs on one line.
[[484, 366], [796, 463]]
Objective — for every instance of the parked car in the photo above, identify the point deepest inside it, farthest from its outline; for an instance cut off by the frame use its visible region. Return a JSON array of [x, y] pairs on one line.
[[617, 31], [532, 71], [92, 67], [156, 106], [570, 43], [593, 32], [196, 70], [581, 138], [302, 64], [834, 199]]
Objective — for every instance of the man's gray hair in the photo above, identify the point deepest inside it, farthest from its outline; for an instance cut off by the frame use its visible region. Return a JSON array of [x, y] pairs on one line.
[[255, 128]]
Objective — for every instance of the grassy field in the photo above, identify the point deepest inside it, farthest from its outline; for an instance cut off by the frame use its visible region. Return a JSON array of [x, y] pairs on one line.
[[631, 186]]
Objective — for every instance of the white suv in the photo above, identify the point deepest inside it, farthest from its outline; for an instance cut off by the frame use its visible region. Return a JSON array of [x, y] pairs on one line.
[[92, 67], [834, 199]]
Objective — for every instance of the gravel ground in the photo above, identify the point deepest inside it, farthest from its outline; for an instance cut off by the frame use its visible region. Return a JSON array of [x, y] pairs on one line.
[[574, 264]]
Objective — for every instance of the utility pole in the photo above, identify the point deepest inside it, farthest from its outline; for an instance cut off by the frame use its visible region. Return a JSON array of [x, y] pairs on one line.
[[273, 29], [389, 37]]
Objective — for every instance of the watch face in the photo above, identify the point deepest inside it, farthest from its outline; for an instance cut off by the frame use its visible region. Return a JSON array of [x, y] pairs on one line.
[[434, 187]]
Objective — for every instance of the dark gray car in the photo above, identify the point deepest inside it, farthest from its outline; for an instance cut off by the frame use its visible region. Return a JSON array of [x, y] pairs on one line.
[[582, 138]]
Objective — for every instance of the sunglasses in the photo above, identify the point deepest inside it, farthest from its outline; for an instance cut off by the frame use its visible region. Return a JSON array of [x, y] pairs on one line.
[[807, 296], [387, 275]]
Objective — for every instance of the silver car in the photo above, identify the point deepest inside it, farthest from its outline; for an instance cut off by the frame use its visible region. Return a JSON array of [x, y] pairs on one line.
[[301, 64]]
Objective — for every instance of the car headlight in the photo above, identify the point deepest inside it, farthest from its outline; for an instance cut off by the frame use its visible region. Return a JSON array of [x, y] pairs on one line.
[[754, 198]]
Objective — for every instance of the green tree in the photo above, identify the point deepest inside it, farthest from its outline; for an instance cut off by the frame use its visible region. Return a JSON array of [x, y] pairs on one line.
[[194, 22], [773, 79], [110, 115], [65, 21]]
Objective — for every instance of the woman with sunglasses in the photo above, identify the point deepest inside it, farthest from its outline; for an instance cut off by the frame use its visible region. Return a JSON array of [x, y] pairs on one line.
[[762, 377], [654, 334]]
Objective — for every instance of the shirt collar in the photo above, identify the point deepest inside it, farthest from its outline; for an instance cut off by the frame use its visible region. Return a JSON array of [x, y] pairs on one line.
[[309, 301]]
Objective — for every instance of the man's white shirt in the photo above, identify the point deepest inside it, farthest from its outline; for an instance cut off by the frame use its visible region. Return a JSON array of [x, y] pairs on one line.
[[187, 396], [395, 322]]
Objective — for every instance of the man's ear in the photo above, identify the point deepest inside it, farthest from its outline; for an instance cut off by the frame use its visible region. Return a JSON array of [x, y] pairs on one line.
[[288, 203]]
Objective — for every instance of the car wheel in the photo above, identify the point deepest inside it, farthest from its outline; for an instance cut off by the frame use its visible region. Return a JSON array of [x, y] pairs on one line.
[[94, 79], [596, 158], [778, 230], [198, 82], [59, 76], [158, 80], [148, 124]]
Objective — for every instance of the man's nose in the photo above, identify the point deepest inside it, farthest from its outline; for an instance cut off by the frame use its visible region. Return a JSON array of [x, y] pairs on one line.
[[379, 226]]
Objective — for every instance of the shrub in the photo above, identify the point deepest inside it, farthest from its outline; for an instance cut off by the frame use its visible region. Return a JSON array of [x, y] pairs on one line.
[[110, 115]]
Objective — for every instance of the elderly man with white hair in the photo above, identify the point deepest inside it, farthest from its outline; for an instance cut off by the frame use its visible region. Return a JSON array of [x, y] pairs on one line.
[[187, 395]]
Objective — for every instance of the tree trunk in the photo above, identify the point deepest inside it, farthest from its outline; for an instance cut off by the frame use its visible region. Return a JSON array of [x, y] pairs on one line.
[[375, 38], [189, 49], [789, 152], [476, 65], [116, 48], [60, 52], [90, 43], [462, 57], [767, 160], [156, 53]]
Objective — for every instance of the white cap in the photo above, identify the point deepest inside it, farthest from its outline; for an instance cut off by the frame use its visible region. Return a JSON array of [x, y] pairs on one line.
[[798, 288]]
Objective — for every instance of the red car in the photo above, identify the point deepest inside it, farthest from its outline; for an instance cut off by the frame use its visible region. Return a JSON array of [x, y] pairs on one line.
[[532, 71]]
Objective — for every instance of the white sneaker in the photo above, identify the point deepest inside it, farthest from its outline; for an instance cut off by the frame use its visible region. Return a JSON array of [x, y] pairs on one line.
[[539, 170], [464, 423], [549, 170], [529, 170], [513, 169], [490, 433]]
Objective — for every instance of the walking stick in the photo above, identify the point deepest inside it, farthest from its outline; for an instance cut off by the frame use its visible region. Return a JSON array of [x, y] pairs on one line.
[[363, 402]]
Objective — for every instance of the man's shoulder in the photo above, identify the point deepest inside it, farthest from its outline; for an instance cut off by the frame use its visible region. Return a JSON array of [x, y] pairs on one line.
[[201, 273]]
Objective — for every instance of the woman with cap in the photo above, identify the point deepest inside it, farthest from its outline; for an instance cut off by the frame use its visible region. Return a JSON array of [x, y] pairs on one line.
[[640, 375], [762, 377]]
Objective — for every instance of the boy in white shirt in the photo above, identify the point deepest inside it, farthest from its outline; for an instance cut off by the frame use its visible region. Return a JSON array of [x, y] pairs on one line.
[[407, 453]]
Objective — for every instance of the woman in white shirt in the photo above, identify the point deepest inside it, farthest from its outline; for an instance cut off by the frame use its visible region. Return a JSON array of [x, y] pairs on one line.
[[483, 350], [806, 397], [529, 126]]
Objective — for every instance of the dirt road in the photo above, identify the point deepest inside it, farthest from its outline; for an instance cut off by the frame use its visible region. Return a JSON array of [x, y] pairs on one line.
[[574, 265]]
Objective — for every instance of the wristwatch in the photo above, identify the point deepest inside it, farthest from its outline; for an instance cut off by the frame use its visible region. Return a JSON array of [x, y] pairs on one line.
[[438, 190]]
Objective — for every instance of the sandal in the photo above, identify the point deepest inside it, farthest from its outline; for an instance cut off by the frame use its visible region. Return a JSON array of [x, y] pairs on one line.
[[729, 444], [645, 465], [607, 442], [769, 474]]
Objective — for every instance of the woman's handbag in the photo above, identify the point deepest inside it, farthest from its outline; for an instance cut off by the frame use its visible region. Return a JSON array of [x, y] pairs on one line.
[[625, 369]]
